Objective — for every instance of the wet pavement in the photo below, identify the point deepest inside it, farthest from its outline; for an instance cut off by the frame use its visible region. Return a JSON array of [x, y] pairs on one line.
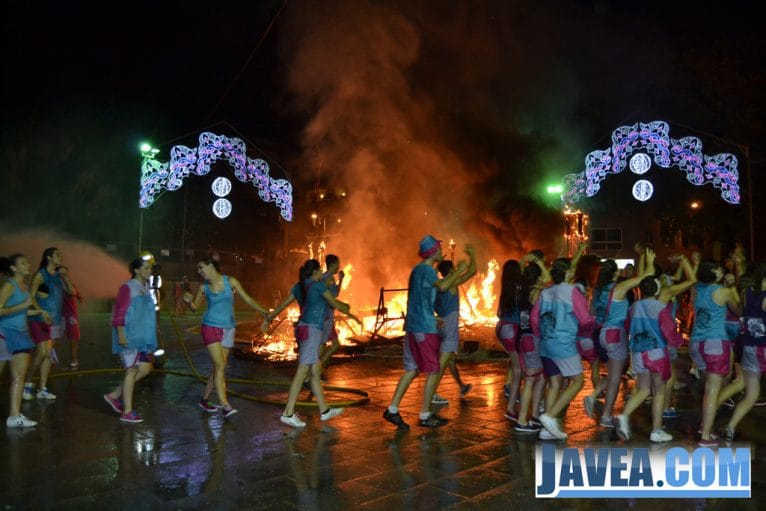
[[81, 456]]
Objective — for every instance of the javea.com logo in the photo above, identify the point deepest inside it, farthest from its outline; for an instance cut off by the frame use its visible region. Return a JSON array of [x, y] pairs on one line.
[[622, 472]]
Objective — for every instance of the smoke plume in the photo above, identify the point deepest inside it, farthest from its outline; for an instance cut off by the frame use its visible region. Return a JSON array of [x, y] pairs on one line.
[[411, 139], [95, 273]]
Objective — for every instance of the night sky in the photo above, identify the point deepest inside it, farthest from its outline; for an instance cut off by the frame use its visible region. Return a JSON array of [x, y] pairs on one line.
[[449, 116]]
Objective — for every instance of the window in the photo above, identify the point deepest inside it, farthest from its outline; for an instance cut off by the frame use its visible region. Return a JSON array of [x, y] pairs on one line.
[[605, 239]]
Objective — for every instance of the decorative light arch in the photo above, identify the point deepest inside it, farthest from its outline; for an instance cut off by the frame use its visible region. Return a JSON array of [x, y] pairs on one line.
[[157, 176], [720, 170]]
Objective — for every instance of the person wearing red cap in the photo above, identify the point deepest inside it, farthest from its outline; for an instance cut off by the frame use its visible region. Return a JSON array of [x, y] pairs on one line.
[[421, 344]]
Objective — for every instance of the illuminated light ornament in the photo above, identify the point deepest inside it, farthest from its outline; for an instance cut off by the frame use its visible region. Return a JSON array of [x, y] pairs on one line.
[[640, 163], [222, 208], [643, 190], [221, 187], [157, 176], [719, 170]]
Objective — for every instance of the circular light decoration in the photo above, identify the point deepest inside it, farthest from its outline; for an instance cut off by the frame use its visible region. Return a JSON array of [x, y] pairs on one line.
[[221, 186], [222, 208], [640, 163], [642, 190]]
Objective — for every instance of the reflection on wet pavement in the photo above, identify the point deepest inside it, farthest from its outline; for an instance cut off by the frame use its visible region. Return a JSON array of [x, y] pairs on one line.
[[81, 457]]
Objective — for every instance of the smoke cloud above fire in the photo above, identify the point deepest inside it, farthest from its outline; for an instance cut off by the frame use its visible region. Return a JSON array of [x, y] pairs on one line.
[[418, 120], [95, 273]]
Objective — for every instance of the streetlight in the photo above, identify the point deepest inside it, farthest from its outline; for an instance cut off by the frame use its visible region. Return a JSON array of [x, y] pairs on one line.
[[555, 189], [147, 153]]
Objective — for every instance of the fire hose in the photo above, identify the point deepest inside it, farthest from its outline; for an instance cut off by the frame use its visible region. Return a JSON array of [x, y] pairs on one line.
[[243, 381]]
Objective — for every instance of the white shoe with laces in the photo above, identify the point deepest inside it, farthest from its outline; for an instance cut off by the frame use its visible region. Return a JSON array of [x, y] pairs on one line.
[[659, 435], [552, 426], [330, 413], [19, 421], [438, 400], [293, 420], [45, 394]]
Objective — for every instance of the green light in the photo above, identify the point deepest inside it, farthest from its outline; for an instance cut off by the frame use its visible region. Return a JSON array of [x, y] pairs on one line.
[[555, 189], [145, 147]]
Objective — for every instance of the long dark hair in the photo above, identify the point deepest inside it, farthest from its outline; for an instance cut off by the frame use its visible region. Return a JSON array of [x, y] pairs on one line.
[[514, 293], [559, 269], [48, 252], [753, 278], [135, 264], [7, 262], [605, 276], [706, 271], [207, 261], [304, 273]]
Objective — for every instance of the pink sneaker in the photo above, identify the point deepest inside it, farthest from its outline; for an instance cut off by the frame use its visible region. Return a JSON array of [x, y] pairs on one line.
[[132, 417], [116, 404]]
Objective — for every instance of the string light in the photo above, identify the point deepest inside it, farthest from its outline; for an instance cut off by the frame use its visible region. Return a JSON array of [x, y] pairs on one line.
[[157, 176], [720, 170]]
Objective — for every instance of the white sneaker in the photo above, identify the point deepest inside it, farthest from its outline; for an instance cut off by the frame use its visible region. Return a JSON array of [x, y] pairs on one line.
[[545, 435], [29, 392], [292, 420], [19, 421], [44, 394], [552, 426], [623, 428], [588, 402], [659, 435], [330, 413], [607, 422], [438, 400]]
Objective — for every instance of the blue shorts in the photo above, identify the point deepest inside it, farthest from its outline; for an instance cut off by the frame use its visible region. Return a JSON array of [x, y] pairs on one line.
[[17, 341]]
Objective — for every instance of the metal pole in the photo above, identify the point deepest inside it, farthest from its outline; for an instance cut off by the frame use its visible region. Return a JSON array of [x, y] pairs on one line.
[[750, 203], [140, 228], [183, 234]]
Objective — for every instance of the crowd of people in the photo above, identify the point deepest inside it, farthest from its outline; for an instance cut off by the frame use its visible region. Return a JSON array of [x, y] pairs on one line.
[[551, 319]]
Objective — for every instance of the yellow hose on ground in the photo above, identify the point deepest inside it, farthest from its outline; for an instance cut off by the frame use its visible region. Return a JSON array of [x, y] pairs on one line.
[[195, 374]]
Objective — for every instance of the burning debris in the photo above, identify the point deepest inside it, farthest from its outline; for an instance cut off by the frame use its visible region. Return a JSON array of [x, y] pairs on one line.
[[381, 324]]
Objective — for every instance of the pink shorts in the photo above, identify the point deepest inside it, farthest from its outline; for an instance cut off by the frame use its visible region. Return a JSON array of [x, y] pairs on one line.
[[425, 351], [587, 349], [214, 334], [507, 333], [529, 355], [652, 361], [712, 355], [40, 331]]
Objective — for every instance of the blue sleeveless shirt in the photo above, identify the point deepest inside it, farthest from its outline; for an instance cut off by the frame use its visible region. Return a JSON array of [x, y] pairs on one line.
[[709, 317], [220, 306], [53, 303], [645, 331], [17, 320]]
